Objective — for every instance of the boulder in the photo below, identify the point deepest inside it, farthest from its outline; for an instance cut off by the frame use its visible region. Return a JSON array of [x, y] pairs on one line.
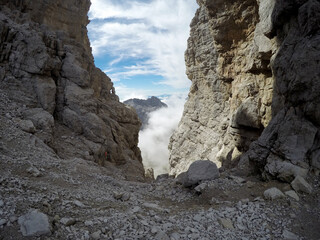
[[292, 194], [284, 171], [67, 221], [34, 223], [273, 193], [226, 223], [201, 170], [247, 115], [299, 184], [41, 119], [27, 126], [287, 235]]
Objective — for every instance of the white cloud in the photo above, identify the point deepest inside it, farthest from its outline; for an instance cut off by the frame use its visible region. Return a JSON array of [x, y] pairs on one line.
[[146, 37], [154, 139], [115, 61], [153, 32], [126, 93]]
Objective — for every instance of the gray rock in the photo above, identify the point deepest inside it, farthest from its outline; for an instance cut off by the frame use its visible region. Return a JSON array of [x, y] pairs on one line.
[[287, 235], [136, 209], [175, 236], [237, 179], [285, 171], [41, 119], [248, 108], [34, 223], [71, 70], [68, 221], [200, 170], [181, 178], [49, 74], [72, 120], [201, 187], [275, 112], [273, 193], [86, 235], [161, 236], [149, 174], [292, 194], [300, 185], [152, 206], [117, 195], [34, 171], [1, 203], [88, 223], [46, 92], [96, 235], [154, 229], [197, 218], [3, 222], [27, 126], [226, 223], [125, 197], [162, 177], [78, 203], [13, 219]]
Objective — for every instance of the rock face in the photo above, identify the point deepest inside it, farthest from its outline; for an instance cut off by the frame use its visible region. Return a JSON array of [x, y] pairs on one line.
[[254, 67], [145, 107], [46, 67]]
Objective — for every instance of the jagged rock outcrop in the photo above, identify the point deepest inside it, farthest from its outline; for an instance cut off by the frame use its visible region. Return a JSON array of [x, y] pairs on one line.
[[290, 145], [145, 107], [46, 67], [249, 62]]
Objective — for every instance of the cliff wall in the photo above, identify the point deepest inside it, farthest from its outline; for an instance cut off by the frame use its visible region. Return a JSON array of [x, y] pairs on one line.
[[47, 68], [254, 67]]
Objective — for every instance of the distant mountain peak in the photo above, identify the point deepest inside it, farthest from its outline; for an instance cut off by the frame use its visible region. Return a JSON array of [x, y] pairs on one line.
[[144, 107]]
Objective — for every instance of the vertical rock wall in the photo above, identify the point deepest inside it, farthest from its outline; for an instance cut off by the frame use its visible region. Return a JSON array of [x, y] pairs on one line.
[[250, 62], [47, 67], [290, 145]]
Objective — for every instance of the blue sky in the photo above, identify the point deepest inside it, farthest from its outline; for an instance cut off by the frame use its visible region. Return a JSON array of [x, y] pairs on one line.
[[140, 44]]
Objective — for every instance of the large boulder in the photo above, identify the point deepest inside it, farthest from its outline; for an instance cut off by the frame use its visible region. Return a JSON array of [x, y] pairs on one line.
[[201, 170], [34, 223]]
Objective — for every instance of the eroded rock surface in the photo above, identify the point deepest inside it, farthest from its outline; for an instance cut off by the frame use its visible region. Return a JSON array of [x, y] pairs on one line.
[[47, 68], [254, 67]]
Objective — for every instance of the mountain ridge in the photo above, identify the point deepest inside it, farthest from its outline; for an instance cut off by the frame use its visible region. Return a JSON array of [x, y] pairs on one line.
[[144, 107]]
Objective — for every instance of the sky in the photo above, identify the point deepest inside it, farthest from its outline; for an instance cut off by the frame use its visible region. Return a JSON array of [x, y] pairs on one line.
[[140, 44]]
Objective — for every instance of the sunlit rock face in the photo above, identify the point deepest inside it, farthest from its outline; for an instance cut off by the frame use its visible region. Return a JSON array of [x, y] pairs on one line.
[[47, 68], [254, 67]]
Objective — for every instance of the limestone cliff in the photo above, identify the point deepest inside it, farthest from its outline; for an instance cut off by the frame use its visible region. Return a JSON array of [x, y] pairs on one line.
[[47, 68], [249, 62]]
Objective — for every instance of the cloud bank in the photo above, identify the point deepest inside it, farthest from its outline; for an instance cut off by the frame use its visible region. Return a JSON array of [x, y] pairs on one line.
[[154, 140], [142, 37]]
